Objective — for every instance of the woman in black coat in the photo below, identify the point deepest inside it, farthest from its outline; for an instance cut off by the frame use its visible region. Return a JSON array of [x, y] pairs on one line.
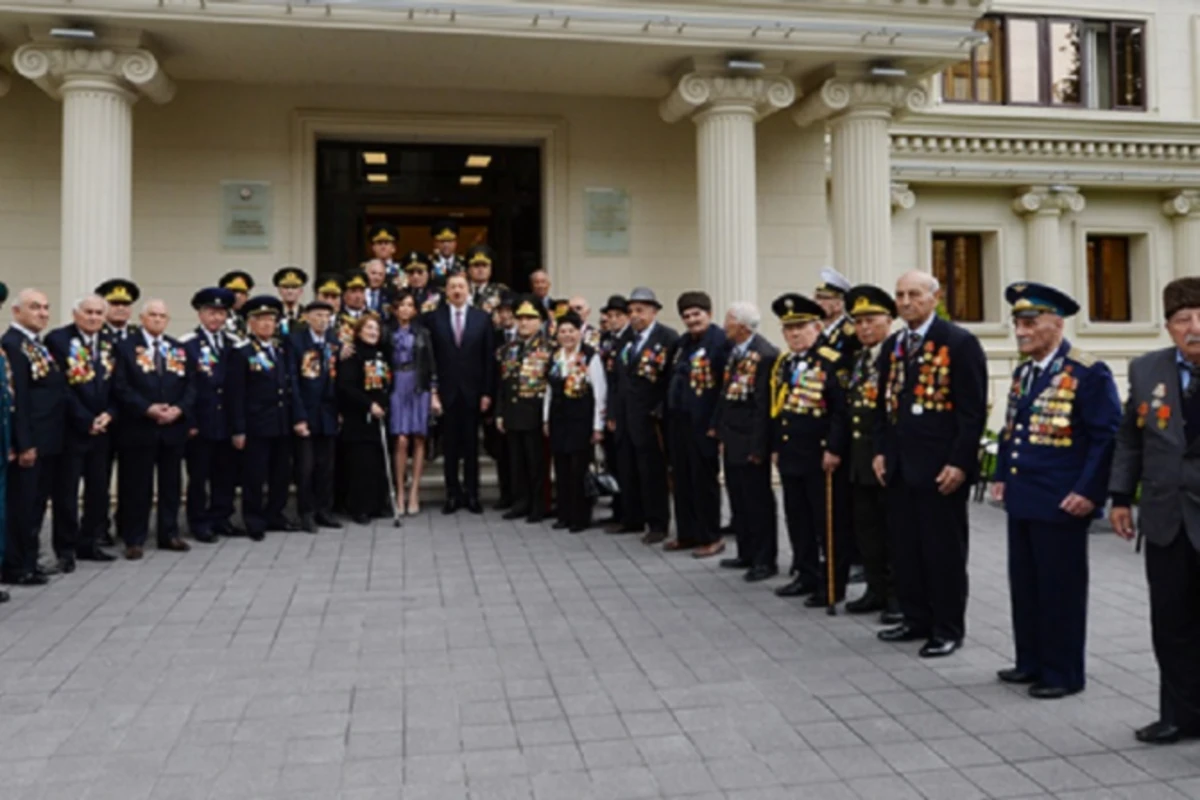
[[364, 382]]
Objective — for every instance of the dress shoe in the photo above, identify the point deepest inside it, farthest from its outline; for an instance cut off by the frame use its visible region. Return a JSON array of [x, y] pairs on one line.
[[734, 563], [533, 519], [326, 521], [473, 505], [66, 565], [577, 529], [282, 525], [94, 554], [560, 526], [760, 573], [819, 600], [4, 597], [1014, 675], [891, 616], [1159, 733], [654, 537], [308, 523], [938, 648], [175, 546], [514, 513], [105, 540], [1040, 691], [678, 544], [48, 570], [867, 604], [204, 538], [902, 633], [133, 553], [710, 550], [361, 519], [503, 504], [451, 506], [797, 588], [256, 536], [28, 579], [228, 529]]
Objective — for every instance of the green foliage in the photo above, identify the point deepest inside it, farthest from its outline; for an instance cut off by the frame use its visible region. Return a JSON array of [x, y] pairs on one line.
[[941, 310]]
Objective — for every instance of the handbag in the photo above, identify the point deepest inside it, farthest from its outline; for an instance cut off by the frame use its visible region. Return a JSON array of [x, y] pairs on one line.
[[598, 481]]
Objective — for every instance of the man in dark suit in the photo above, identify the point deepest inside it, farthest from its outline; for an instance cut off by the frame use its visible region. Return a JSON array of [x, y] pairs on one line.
[[697, 365], [617, 334], [932, 412], [39, 412], [465, 354], [1052, 472], [89, 362], [155, 391], [636, 418], [314, 352], [120, 294], [744, 430], [1158, 447], [211, 462]]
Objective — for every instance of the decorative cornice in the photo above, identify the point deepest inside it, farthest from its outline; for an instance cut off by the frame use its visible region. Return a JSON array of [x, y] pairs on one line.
[[839, 95], [51, 67], [1032, 200], [700, 91], [1182, 203], [1045, 147], [903, 198]]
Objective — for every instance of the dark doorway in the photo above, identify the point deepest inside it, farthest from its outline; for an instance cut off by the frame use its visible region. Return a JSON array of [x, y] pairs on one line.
[[494, 193]]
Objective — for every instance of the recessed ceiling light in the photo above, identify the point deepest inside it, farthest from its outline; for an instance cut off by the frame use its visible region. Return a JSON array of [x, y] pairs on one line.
[[375, 159], [478, 162], [471, 180], [377, 177]]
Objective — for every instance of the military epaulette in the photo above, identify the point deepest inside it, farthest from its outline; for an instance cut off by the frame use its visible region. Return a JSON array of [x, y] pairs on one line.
[[829, 354], [1075, 354], [241, 343], [848, 328], [187, 337]]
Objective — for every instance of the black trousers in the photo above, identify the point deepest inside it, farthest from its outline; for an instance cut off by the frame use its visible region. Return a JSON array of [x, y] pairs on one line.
[[869, 518], [366, 486], [1173, 573], [91, 465], [29, 490], [804, 504], [927, 536], [1048, 585], [212, 478], [496, 445], [460, 443], [314, 474], [643, 476], [612, 463], [753, 513], [528, 465], [573, 505], [135, 489], [265, 460], [696, 468]]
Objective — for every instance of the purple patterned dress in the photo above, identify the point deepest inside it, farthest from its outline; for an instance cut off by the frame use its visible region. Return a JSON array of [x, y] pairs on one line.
[[409, 407]]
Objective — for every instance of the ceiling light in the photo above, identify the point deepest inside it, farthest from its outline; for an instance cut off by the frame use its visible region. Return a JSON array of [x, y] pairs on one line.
[[73, 33], [471, 180], [745, 64], [377, 177], [889, 72], [375, 159], [478, 162]]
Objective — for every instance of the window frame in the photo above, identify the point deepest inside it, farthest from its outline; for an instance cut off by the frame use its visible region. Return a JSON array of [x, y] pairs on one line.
[[1145, 244], [951, 267], [1096, 268]]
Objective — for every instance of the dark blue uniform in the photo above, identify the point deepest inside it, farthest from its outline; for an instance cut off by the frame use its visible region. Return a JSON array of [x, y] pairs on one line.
[[314, 364], [211, 459], [1058, 439]]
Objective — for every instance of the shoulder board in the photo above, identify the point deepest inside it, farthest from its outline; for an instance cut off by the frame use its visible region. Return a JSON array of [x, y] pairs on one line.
[[848, 328], [187, 337], [1075, 354], [829, 354], [242, 343]]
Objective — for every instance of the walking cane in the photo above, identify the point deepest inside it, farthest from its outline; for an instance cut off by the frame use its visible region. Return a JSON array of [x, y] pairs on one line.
[[387, 465], [829, 554]]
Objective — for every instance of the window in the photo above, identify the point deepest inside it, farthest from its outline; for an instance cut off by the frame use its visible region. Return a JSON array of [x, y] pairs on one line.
[[1050, 61], [1108, 271], [958, 266]]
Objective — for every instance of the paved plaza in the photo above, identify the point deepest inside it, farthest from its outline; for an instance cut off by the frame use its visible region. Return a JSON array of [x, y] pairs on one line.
[[467, 657]]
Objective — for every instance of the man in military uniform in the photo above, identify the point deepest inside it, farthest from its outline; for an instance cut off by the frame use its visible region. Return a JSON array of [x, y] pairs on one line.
[[383, 248], [328, 290], [290, 282], [120, 294], [1052, 473], [933, 407], [416, 268], [485, 295], [837, 330], [495, 443], [445, 260], [808, 443], [314, 352], [697, 365], [354, 305], [524, 375], [872, 310], [212, 464], [262, 412], [617, 334], [241, 284]]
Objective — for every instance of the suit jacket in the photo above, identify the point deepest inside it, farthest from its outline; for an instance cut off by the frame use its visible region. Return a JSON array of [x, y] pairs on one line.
[[260, 391], [1157, 455], [89, 382], [640, 375], [138, 386], [743, 413], [314, 372], [808, 410], [465, 371], [694, 385], [918, 435], [39, 388], [211, 416]]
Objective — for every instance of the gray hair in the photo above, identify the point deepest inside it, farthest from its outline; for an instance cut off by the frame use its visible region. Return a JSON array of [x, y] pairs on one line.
[[78, 305], [152, 301], [926, 278], [23, 295], [745, 313]]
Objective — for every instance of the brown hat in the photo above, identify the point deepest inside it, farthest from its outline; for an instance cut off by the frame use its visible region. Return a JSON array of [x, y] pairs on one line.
[[694, 299], [1181, 293]]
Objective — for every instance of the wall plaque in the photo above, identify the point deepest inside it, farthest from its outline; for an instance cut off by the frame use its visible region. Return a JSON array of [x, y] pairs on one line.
[[606, 225], [246, 215]]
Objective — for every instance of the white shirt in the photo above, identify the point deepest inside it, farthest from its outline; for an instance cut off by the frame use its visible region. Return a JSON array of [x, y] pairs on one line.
[[151, 341], [599, 389], [921, 330], [28, 333], [643, 337], [739, 350]]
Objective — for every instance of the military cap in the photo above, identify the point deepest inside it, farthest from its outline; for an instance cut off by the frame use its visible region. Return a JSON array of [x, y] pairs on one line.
[[414, 260], [1179, 294], [237, 281], [795, 308], [290, 278], [864, 300], [318, 305], [1030, 299], [263, 304], [212, 297], [570, 318], [694, 299], [530, 307], [616, 303], [357, 279], [119, 290], [444, 231], [833, 284], [382, 232], [3, 291], [329, 283], [644, 296], [561, 306], [480, 254]]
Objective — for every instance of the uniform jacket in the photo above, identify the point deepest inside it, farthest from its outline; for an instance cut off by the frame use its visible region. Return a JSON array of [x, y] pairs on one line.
[[919, 434], [1058, 436], [117, 335], [488, 296], [291, 318], [640, 376], [39, 388], [808, 410], [427, 299], [441, 268], [139, 385], [260, 391], [697, 367], [467, 370], [314, 369], [363, 378], [743, 413], [211, 415], [89, 374], [1152, 449], [842, 337], [862, 398], [524, 380]]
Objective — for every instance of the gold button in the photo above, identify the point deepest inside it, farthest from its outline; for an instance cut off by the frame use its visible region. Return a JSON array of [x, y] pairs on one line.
[[1020, 427], [784, 423], [1016, 441], [856, 419], [1013, 470], [1014, 455], [785, 437], [857, 434]]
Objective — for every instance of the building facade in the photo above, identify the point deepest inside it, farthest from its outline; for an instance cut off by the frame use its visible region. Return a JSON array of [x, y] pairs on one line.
[[737, 146]]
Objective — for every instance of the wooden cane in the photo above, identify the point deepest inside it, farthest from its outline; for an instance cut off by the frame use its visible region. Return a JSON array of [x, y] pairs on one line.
[[829, 554]]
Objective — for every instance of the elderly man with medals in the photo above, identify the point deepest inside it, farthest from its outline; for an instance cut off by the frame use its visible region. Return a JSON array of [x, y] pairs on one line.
[[1052, 475], [524, 375]]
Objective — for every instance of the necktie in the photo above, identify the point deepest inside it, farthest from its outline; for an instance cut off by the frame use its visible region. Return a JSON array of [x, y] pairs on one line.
[[913, 346], [1193, 380], [94, 347], [1031, 378], [158, 356], [458, 326], [860, 369]]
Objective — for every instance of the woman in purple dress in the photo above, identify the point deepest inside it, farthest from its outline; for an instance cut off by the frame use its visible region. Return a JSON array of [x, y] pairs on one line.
[[415, 377]]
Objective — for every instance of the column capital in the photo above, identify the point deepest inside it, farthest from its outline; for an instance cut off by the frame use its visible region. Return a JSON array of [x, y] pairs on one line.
[[701, 90], [903, 198], [1182, 203], [56, 68], [838, 96], [1032, 200]]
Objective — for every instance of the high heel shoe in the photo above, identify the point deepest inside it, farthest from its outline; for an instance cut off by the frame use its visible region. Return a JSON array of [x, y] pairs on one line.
[[414, 507]]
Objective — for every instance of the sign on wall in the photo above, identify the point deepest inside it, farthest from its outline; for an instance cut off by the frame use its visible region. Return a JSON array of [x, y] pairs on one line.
[[606, 221], [246, 215]]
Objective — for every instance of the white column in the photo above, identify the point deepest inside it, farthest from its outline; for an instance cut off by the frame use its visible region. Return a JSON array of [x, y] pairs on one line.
[[98, 87], [1183, 208], [1043, 208], [725, 109], [860, 114]]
